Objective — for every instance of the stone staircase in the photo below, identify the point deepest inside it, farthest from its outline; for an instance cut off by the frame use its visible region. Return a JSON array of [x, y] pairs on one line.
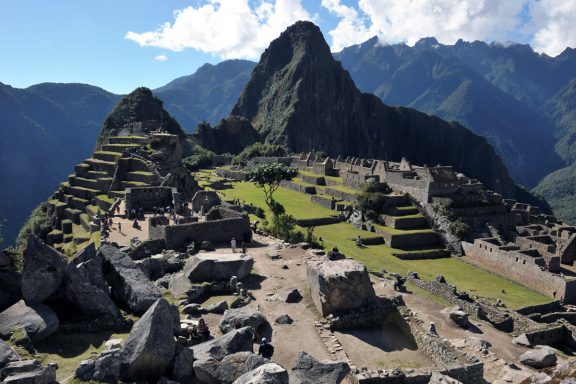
[[88, 191]]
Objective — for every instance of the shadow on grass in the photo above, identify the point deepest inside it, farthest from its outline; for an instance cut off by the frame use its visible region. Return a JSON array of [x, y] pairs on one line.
[[72, 345]]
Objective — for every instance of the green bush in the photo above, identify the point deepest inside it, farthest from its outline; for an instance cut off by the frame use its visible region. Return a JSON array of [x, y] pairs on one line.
[[259, 150], [200, 158], [459, 229]]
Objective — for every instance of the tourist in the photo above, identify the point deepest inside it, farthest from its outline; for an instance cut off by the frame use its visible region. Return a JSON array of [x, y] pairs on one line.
[[359, 242], [233, 245], [136, 224], [118, 209], [266, 349], [432, 329], [243, 247], [120, 227], [203, 330]]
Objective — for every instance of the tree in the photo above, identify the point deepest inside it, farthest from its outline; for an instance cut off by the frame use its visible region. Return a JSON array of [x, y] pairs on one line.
[[268, 177]]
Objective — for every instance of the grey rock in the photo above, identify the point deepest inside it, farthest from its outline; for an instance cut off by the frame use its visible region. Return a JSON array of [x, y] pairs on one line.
[[540, 357], [89, 264], [237, 340], [310, 371], [227, 370], [43, 272], [90, 299], [193, 309], [38, 320], [128, 282], [270, 373], [159, 265], [179, 285], [218, 308], [241, 317], [211, 267], [28, 372], [85, 370], [284, 319], [182, 369], [107, 366], [9, 281], [290, 296], [339, 286], [439, 378], [7, 354], [150, 345], [458, 316], [440, 279]]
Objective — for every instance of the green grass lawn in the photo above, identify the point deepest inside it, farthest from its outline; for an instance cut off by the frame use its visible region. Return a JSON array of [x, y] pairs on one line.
[[377, 257], [296, 204]]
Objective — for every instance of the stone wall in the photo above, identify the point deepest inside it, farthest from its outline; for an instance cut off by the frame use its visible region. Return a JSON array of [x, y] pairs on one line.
[[438, 254], [540, 308], [513, 266], [410, 240], [316, 180], [405, 222], [149, 197], [298, 187], [341, 194], [323, 201], [231, 174], [179, 235], [314, 222]]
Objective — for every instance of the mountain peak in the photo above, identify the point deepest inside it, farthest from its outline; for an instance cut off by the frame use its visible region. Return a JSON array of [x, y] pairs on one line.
[[140, 106], [426, 42]]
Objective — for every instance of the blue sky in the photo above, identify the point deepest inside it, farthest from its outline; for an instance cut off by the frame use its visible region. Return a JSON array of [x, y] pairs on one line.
[[120, 45]]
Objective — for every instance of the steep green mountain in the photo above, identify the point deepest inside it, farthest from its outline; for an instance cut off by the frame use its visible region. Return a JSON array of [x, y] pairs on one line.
[[431, 77], [559, 189], [561, 109], [207, 95], [45, 130], [299, 96]]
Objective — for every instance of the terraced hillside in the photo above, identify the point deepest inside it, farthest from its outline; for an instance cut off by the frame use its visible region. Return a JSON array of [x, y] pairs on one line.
[[93, 187], [402, 221]]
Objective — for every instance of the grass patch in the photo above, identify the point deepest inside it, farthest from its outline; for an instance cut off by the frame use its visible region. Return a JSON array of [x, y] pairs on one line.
[[105, 198]]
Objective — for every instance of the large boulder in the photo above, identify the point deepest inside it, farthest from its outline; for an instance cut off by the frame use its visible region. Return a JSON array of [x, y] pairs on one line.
[[310, 371], [105, 368], [181, 368], [235, 341], [218, 308], [159, 265], [339, 286], [28, 372], [128, 282], [90, 299], [179, 285], [241, 317], [227, 370], [290, 296], [439, 378], [150, 345], [7, 354], [540, 357], [44, 269], [270, 373], [89, 264], [37, 320], [458, 316], [9, 280], [211, 267]]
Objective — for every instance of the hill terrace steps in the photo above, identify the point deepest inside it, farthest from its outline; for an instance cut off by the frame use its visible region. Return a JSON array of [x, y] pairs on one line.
[[91, 189]]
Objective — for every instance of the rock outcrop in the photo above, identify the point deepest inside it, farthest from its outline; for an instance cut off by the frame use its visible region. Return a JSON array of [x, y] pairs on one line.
[[241, 317], [339, 286], [298, 95], [181, 368], [44, 269], [127, 281], [37, 320], [540, 357], [230, 135], [310, 371], [235, 341], [230, 368], [28, 371], [150, 346], [105, 368], [7, 354], [270, 373], [9, 280], [210, 267]]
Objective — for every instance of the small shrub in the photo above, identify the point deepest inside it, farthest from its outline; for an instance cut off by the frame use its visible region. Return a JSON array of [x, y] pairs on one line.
[[459, 229]]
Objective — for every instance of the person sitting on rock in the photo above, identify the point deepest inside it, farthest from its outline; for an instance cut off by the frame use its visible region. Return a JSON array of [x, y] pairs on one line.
[[203, 330], [194, 332], [266, 349]]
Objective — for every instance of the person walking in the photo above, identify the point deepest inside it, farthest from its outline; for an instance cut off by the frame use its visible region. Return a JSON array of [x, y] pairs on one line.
[[266, 349], [119, 227], [233, 245]]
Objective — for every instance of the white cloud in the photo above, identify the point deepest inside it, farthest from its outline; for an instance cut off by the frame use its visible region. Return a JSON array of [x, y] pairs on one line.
[[350, 29], [161, 58], [227, 28], [554, 25], [407, 21]]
